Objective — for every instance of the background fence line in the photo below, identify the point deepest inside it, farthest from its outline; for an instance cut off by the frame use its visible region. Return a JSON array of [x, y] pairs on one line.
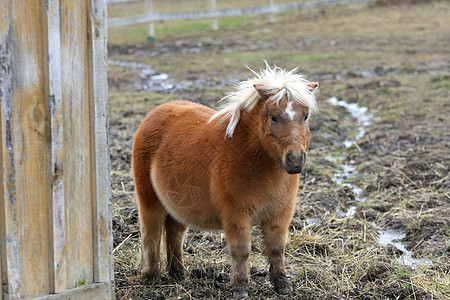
[[270, 9]]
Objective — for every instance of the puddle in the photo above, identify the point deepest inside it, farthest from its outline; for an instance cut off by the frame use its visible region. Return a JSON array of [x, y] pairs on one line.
[[359, 113], [311, 222], [393, 237], [155, 81], [151, 79], [348, 170]]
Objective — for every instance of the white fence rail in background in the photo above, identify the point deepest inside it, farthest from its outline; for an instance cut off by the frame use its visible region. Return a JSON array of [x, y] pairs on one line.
[[270, 9]]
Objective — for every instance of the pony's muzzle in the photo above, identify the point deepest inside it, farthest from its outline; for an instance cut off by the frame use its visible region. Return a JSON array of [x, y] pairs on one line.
[[295, 161]]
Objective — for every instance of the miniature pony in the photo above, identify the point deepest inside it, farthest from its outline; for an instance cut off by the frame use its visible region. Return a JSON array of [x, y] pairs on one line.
[[226, 169]]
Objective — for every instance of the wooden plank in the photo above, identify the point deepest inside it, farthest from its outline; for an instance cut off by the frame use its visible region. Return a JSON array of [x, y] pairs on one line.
[[11, 273], [27, 192], [97, 291], [3, 265], [101, 197], [77, 163], [5, 97], [56, 207], [120, 1], [222, 13]]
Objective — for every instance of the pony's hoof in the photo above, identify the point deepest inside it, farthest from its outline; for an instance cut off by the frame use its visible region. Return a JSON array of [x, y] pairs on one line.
[[178, 275], [151, 278], [282, 285], [240, 290], [285, 290]]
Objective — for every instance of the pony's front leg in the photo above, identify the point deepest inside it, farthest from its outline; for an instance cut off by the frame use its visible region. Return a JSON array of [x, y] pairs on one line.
[[275, 235], [237, 231]]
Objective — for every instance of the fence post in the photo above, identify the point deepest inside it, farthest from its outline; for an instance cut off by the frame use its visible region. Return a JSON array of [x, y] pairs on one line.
[[270, 18], [55, 219], [214, 23], [151, 26]]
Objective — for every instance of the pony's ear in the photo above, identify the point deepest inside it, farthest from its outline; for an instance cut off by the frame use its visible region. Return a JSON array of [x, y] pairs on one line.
[[312, 86], [263, 92]]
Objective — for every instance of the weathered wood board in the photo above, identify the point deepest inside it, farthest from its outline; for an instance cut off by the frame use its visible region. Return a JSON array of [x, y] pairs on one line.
[[55, 220]]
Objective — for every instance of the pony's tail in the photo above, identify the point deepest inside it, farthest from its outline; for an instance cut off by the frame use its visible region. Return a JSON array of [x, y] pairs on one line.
[[162, 251]]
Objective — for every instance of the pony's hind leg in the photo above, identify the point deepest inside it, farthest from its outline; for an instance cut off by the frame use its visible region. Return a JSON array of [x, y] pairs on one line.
[[152, 215], [174, 245]]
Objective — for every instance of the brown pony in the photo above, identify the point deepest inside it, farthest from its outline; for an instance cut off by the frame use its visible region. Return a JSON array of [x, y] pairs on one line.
[[227, 169]]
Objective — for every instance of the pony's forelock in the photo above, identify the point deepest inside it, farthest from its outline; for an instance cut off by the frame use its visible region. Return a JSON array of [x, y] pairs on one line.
[[276, 82]]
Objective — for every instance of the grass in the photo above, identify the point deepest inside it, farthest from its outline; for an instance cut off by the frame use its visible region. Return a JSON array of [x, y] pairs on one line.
[[139, 102], [81, 282], [176, 29]]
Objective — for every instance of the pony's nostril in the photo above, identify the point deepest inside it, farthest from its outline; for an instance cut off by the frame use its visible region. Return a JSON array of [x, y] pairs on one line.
[[295, 159], [289, 157]]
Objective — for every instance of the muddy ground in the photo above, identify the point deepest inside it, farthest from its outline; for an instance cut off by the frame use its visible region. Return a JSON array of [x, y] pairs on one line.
[[394, 60]]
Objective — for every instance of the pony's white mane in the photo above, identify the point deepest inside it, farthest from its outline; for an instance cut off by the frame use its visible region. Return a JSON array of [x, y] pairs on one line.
[[276, 83]]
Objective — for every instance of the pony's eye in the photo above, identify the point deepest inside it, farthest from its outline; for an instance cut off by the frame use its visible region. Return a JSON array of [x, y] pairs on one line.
[[306, 117], [273, 118]]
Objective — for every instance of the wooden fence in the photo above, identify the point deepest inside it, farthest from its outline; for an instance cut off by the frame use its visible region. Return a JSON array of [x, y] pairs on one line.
[[55, 210], [270, 9]]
